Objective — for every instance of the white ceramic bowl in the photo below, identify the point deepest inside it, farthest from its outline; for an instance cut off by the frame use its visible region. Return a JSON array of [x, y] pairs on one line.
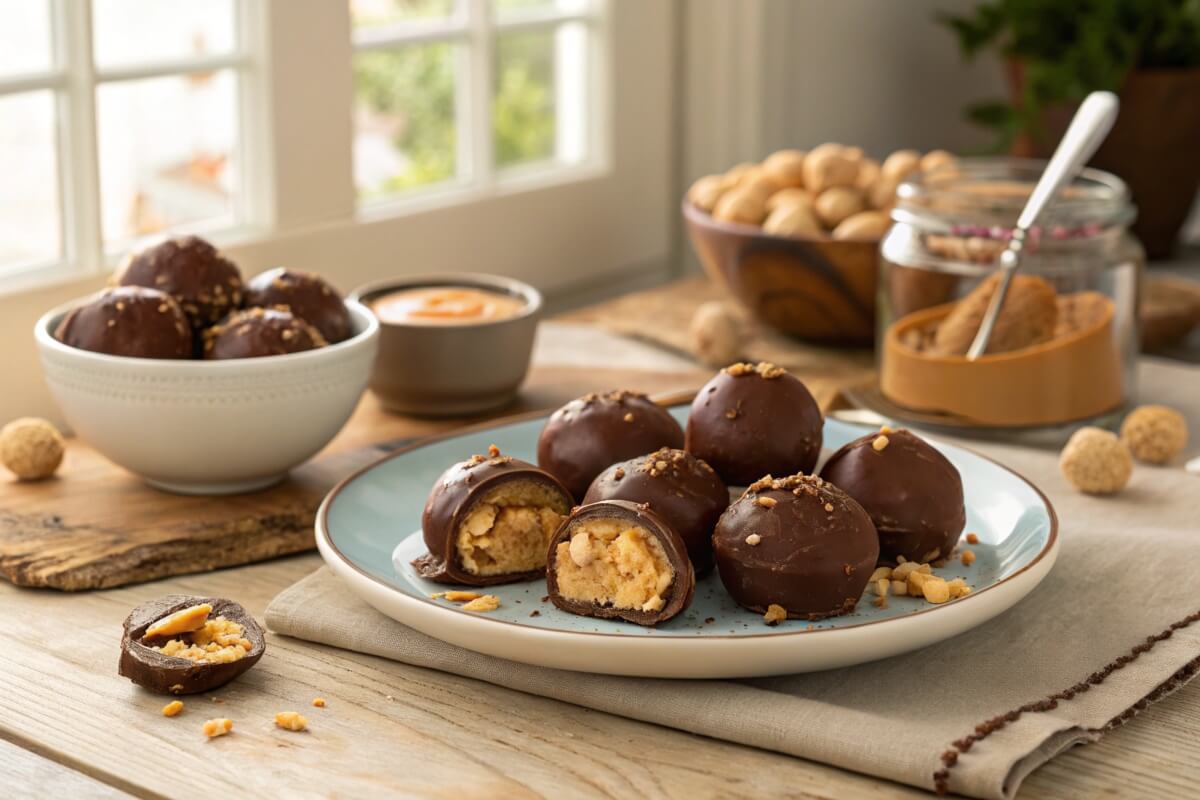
[[209, 427]]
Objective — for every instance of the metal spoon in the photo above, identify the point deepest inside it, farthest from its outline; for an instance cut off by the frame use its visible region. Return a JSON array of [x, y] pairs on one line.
[[1088, 128]]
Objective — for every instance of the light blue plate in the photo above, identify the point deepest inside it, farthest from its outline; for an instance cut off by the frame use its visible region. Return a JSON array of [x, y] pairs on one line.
[[369, 531]]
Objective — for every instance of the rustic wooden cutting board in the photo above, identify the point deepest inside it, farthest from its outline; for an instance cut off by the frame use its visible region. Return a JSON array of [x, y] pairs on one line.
[[97, 526]]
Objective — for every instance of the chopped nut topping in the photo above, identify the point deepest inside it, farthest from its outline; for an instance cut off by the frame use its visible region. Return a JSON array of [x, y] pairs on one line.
[[968, 558], [935, 589], [319, 702], [973, 538], [618, 473], [456, 596], [884, 429], [753, 539], [767, 502], [881, 572], [185, 620], [829, 507], [220, 641], [931, 555], [881, 586], [731, 413], [493, 451], [848, 569], [290, 721], [775, 614], [880, 442], [899, 588], [172, 708], [880, 602], [489, 602], [217, 727], [628, 416]]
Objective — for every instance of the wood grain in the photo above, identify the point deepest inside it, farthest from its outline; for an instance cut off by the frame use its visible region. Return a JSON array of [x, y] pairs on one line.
[[439, 735], [40, 777]]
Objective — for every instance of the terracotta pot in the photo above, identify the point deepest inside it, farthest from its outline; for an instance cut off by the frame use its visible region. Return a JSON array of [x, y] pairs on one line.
[[1154, 146]]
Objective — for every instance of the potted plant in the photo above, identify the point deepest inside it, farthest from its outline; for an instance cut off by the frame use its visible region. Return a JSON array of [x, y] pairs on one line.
[[1055, 53]]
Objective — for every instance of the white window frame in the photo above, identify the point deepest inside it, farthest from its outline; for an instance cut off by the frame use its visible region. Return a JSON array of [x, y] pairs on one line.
[[473, 30], [74, 79]]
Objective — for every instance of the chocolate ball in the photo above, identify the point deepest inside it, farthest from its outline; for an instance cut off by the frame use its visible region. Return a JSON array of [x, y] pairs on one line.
[[589, 434], [310, 297], [754, 420], [259, 332], [489, 520], [130, 321], [675, 485], [206, 285], [912, 492], [619, 560], [797, 542]]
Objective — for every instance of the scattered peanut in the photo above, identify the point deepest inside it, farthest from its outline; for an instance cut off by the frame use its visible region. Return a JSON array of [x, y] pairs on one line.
[[290, 721], [319, 702], [488, 602], [172, 708], [775, 614], [968, 558], [217, 727]]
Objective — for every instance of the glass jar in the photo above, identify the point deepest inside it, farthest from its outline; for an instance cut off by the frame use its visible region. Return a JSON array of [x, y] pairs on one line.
[[1065, 346]]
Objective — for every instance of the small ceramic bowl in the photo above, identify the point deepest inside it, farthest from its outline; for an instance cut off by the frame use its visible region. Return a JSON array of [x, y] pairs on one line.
[[453, 370], [209, 427], [821, 290]]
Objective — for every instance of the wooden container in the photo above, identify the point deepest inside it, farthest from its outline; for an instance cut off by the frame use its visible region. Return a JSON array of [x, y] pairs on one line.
[[1074, 377], [821, 290]]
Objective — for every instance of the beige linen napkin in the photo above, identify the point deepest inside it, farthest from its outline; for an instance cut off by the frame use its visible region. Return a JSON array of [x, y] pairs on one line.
[[1110, 630]]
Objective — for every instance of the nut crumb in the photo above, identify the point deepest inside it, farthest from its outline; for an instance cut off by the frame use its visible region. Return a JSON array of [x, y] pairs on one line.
[[881, 586], [185, 620], [767, 502], [318, 702], [731, 413], [935, 589], [881, 572], [456, 596], [535, 613], [493, 451], [753, 539], [172, 708], [879, 443], [775, 614], [972, 538], [829, 508], [968, 558], [880, 602], [488, 602], [628, 416], [217, 727], [900, 588], [290, 721]]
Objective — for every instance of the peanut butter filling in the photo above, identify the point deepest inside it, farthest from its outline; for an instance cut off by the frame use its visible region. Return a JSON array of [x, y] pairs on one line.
[[613, 563], [509, 530], [219, 641]]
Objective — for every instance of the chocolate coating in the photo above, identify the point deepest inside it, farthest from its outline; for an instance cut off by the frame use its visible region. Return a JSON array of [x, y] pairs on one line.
[[815, 551], [175, 675], [260, 332], [206, 285], [678, 596], [130, 321], [592, 433], [754, 420], [454, 496], [912, 492], [310, 297], [677, 486]]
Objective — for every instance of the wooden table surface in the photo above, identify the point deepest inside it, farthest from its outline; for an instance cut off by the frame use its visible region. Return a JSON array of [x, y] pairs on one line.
[[70, 727]]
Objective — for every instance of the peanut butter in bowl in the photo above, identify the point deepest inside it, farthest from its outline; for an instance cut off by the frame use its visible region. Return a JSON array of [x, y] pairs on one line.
[[445, 305]]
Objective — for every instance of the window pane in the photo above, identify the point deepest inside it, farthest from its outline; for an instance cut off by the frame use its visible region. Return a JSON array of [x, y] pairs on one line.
[[523, 106], [404, 118], [503, 7], [375, 13], [167, 152], [134, 31], [24, 36], [29, 222]]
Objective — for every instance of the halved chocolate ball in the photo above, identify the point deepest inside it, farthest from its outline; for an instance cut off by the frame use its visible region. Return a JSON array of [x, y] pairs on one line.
[[310, 297], [619, 560], [754, 420], [206, 285], [130, 321], [260, 332], [677, 486], [185, 645], [592, 433], [489, 520], [796, 542], [912, 492]]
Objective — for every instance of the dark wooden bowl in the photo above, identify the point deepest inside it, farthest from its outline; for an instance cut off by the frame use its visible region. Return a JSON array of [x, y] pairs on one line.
[[819, 290]]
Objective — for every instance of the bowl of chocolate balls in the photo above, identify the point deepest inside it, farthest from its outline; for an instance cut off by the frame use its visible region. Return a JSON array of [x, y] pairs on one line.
[[201, 382], [796, 238]]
